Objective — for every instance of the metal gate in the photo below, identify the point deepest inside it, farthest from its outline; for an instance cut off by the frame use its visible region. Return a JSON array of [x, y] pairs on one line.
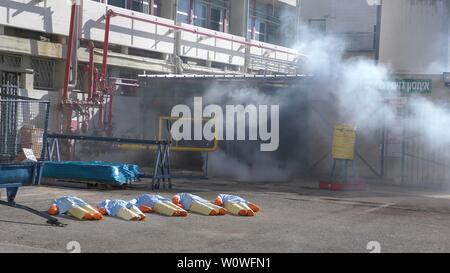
[[369, 148], [424, 163], [8, 127]]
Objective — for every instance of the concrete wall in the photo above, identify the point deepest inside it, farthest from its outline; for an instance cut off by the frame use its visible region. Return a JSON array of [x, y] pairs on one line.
[[415, 36]]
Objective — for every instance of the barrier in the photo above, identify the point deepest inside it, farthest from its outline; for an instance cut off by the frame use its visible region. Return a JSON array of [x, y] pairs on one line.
[[23, 133]]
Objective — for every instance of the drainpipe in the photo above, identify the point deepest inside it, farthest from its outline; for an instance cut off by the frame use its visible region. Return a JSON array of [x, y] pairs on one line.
[[76, 43], [91, 74], [378, 33], [253, 20]]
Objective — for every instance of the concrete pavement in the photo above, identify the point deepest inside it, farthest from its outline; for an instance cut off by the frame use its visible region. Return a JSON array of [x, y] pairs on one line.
[[295, 217]]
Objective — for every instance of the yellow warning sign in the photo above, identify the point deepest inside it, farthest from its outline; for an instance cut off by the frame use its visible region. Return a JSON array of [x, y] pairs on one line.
[[344, 142]]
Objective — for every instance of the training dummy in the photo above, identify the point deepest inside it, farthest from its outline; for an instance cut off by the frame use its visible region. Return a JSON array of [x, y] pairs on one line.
[[197, 204], [74, 207], [121, 209], [236, 205], [159, 204]]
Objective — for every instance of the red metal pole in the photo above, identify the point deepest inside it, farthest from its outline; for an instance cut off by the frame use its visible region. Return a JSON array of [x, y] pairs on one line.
[[69, 52], [151, 7], [106, 44], [91, 70]]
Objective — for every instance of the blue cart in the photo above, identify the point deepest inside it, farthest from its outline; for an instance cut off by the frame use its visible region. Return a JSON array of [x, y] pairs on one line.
[[23, 133]]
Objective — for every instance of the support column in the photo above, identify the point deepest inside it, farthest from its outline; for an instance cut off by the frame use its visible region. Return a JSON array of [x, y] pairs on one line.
[[238, 17], [27, 79], [168, 9]]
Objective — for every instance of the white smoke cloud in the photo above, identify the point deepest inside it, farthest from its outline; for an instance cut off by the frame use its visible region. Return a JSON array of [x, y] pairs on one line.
[[351, 86]]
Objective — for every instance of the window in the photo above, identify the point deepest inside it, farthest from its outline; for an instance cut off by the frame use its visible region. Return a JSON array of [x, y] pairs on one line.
[[183, 11], [217, 19], [206, 13], [44, 70], [137, 5], [260, 30], [201, 15], [117, 3], [157, 8], [264, 18], [10, 60]]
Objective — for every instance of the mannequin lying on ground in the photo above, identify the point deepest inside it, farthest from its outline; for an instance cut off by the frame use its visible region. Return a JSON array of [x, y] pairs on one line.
[[236, 205], [74, 207], [121, 209], [197, 204], [156, 203]]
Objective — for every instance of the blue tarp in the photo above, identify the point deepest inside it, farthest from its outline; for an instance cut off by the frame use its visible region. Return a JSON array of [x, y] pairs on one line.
[[67, 202], [112, 206], [148, 200], [186, 200], [106, 172], [232, 199]]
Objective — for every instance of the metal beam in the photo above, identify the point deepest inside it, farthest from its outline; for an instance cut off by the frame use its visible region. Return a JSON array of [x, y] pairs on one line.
[[108, 139]]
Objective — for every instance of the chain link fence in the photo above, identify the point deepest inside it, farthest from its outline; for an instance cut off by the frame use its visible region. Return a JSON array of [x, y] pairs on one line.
[[23, 125]]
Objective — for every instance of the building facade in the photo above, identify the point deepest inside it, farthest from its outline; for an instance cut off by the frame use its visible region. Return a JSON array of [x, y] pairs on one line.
[[33, 38]]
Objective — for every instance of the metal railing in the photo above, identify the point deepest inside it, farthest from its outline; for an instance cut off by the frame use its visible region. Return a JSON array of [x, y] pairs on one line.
[[246, 45]]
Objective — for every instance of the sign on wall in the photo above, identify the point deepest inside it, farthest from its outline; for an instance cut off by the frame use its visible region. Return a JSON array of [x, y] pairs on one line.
[[408, 85], [344, 142]]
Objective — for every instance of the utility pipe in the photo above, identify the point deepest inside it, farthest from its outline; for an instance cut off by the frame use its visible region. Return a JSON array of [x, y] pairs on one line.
[[76, 43], [108, 15], [69, 52], [91, 74]]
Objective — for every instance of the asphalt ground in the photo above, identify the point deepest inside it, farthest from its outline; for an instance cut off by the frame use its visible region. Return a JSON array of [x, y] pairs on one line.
[[295, 217]]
